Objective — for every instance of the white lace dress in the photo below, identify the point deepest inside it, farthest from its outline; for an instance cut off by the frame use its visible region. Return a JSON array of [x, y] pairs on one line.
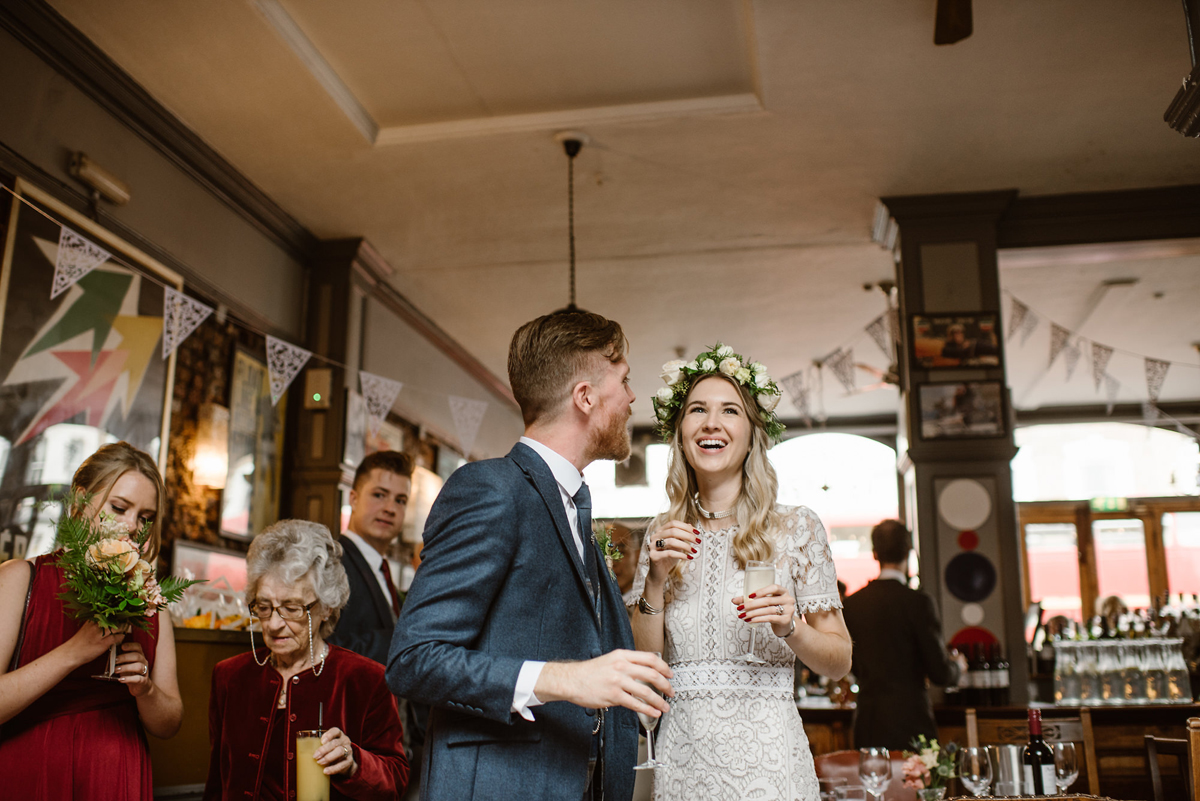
[[733, 731]]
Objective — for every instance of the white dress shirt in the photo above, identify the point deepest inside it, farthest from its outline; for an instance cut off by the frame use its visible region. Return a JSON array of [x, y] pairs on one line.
[[374, 561], [569, 481], [892, 573]]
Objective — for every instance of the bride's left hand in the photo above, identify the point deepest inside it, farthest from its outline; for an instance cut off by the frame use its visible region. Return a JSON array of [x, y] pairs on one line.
[[771, 604]]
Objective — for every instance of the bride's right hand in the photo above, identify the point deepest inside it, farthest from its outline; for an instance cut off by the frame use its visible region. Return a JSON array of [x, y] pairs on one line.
[[679, 541], [91, 641]]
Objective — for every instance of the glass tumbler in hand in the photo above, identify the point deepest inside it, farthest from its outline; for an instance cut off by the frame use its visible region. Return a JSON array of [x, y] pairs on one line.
[[975, 770], [1066, 768], [649, 724], [758, 575], [875, 769]]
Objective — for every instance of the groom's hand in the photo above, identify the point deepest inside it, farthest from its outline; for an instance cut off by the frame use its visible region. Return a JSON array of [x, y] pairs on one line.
[[618, 678]]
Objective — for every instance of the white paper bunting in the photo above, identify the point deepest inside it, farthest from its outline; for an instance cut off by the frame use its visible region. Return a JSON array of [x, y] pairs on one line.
[[878, 331], [842, 365], [1071, 355], [1029, 325], [893, 323], [1149, 413], [181, 316], [284, 361], [77, 256], [379, 393], [1111, 387], [468, 415], [1058, 340], [1016, 317], [798, 390], [1100, 356], [1156, 374]]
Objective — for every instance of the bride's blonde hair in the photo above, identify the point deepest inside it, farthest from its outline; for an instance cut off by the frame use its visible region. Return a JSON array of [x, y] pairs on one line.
[[755, 507]]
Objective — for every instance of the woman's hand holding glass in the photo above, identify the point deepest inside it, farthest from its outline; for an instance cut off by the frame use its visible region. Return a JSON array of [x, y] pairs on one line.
[[133, 669], [673, 542], [335, 753], [771, 604]]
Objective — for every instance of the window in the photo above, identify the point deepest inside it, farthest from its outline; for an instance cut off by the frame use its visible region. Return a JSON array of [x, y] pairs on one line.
[[1052, 554], [1121, 561], [1181, 542]]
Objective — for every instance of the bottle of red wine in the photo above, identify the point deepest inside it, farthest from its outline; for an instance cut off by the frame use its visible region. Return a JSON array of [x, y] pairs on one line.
[[1038, 759], [1000, 677]]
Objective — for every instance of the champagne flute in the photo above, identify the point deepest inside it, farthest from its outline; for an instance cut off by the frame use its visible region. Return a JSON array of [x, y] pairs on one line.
[[975, 769], [875, 769], [758, 575], [649, 724], [1066, 767]]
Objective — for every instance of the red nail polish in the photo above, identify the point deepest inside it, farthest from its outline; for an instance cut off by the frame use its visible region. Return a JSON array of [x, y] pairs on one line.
[[693, 550], [690, 556], [742, 615], [697, 539], [696, 531], [753, 595], [740, 608]]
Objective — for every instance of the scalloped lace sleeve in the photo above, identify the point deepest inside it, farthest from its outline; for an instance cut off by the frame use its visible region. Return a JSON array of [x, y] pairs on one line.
[[643, 570], [814, 575]]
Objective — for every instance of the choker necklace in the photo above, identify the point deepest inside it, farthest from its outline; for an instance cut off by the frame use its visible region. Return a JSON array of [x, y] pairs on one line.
[[708, 514]]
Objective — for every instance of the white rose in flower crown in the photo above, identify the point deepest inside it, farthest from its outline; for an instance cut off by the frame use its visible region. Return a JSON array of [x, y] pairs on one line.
[[742, 375], [730, 366], [113, 552], [692, 365], [664, 412], [724, 350], [672, 371], [761, 380], [758, 367], [664, 394], [708, 366], [767, 401]]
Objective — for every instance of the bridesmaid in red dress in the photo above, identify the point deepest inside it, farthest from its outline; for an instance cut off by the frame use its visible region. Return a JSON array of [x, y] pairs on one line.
[[63, 734]]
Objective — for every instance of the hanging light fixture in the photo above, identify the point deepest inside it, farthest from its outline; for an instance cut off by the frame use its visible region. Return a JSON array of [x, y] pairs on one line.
[[572, 142]]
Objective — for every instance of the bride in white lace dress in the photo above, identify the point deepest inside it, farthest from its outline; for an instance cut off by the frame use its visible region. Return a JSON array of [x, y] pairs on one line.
[[733, 731]]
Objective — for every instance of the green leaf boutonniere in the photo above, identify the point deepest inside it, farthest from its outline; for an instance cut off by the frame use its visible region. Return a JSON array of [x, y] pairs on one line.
[[602, 534]]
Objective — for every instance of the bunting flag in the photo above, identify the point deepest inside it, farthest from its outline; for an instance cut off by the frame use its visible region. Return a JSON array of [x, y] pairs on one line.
[[893, 323], [1156, 374], [468, 415], [797, 388], [1016, 318], [284, 361], [1149, 413], [379, 393], [77, 256], [181, 316], [842, 365], [1100, 356], [878, 331], [1111, 387], [1071, 356], [1059, 337], [1029, 324]]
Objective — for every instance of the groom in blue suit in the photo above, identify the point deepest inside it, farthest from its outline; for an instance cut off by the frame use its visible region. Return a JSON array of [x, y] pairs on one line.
[[513, 631]]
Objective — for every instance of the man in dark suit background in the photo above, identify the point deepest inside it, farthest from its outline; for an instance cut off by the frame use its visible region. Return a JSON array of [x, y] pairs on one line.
[[897, 646], [513, 630]]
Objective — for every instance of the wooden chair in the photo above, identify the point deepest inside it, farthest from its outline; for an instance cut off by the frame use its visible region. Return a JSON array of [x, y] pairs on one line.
[[844, 764], [1188, 754], [1015, 731]]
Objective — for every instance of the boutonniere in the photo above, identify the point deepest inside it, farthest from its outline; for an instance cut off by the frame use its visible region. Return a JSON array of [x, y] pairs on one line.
[[602, 536]]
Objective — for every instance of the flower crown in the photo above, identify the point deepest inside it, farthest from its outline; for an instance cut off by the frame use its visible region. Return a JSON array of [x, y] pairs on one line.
[[680, 375]]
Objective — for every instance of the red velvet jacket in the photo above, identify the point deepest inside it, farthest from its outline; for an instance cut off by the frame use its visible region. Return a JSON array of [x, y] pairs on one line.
[[355, 699]]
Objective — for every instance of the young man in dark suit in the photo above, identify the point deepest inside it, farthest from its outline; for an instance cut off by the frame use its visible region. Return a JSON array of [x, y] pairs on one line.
[[897, 646], [513, 630]]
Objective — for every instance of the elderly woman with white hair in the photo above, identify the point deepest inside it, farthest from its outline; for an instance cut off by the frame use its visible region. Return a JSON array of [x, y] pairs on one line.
[[296, 586]]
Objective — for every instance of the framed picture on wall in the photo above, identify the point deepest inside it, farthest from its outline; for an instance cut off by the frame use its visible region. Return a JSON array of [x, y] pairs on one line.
[[250, 500], [961, 410], [955, 341], [78, 370]]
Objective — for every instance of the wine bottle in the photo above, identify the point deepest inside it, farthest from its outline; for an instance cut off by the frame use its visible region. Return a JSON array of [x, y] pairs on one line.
[[1000, 677], [970, 693], [1038, 759], [985, 676]]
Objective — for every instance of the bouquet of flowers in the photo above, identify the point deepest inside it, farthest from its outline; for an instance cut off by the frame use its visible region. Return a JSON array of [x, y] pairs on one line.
[[929, 765], [106, 580]]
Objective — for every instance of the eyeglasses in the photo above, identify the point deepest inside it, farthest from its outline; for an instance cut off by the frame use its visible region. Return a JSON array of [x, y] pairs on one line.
[[290, 611]]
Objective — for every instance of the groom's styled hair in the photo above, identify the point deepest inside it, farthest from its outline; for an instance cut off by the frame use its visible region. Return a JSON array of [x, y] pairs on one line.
[[549, 355]]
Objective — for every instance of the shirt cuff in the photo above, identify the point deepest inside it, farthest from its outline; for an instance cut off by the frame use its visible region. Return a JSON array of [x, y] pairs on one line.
[[523, 696]]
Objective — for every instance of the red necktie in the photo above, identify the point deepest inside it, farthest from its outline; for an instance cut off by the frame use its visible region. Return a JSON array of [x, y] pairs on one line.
[[387, 577]]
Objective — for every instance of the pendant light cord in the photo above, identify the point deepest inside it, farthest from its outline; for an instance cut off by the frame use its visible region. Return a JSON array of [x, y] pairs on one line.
[[571, 220]]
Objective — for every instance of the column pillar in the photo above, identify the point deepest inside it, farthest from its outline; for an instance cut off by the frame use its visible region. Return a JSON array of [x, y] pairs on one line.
[[955, 437]]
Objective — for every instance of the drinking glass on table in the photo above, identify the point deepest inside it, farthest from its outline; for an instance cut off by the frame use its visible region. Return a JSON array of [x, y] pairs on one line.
[[1066, 768], [851, 793], [649, 724], [975, 770], [875, 769], [830, 785], [758, 575]]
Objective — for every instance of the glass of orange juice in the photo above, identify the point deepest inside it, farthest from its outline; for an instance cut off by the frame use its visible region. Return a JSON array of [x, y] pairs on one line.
[[311, 782]]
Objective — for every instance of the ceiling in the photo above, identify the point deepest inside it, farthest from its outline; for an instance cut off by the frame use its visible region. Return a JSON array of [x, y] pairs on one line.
[[737, 151]]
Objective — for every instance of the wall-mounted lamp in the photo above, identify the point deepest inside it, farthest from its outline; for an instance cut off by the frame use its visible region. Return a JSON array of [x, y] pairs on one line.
[[210, 465], [102, 182]]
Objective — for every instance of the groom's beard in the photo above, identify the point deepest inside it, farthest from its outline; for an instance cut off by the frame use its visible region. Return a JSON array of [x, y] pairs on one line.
[[612, 440]]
